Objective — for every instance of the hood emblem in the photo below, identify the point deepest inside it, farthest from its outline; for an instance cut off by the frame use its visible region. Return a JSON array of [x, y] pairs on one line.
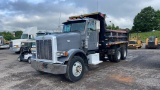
[[68, 41]]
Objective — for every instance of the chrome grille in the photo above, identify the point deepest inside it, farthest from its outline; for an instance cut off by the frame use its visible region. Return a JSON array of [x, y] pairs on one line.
[[44, 49]]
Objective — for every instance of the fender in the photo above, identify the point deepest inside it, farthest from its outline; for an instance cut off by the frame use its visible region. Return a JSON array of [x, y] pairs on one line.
[[71, 54]]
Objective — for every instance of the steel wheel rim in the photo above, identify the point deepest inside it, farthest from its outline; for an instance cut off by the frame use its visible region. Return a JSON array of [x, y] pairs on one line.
[[125, 53], [77, 69]]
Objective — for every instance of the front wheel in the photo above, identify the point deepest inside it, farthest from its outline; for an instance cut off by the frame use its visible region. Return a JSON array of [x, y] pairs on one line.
[[20, 58], [29, 60], [75, 69], [17, 52]]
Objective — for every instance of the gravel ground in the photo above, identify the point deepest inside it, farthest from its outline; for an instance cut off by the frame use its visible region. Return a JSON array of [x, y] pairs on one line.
[[140, 71]]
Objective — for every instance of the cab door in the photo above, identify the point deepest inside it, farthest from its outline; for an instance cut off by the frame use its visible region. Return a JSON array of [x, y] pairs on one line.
[[92, 35]]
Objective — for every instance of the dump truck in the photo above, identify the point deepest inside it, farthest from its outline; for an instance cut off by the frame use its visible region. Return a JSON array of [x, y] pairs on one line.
[[83, 41], [4, 44], [135, 43], [152, 43]]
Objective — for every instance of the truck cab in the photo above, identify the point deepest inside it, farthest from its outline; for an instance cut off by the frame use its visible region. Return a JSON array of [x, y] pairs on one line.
[[84, 40], [88, 30]]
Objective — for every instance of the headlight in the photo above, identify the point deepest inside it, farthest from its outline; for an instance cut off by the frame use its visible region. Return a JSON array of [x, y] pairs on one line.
[[62, 53], [16, 46]]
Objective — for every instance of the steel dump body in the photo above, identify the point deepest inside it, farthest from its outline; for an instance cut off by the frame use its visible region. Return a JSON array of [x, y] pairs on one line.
[[113, 37]]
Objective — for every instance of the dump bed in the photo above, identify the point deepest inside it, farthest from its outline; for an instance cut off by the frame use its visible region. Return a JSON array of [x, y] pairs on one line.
[[113, 37]]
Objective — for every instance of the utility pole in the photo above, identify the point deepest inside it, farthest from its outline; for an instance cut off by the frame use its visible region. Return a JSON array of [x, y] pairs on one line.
[[111, 24]]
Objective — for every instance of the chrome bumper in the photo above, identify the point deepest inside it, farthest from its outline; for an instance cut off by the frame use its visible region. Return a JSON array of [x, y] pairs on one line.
[[49, 67]]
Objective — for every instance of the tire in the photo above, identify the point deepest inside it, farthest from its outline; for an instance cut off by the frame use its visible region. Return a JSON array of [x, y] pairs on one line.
[[29, 60], [117, 55], [123, 53], [72, 73], [20, 58], [102, 57], [17, 52], [110, 57]]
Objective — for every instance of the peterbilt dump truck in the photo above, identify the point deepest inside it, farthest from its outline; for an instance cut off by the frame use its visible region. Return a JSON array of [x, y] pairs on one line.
[[152, 42], [83, 41]]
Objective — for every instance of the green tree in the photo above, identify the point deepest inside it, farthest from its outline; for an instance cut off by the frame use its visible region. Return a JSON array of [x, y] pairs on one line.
[[145, 20], [113, 27], [7, 36], [158, 19], [18, 34]]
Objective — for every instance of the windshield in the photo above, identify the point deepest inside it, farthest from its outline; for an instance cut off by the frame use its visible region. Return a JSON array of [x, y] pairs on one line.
[[74, 26], [132, 42], [40, 34], [24, 36], [152, 38], [33, 44]]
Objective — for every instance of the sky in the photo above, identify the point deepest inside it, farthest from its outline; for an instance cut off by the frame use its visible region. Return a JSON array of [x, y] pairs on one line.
[[48, 14]]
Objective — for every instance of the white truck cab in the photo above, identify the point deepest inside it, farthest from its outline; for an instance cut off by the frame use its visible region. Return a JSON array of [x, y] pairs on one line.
[[29, 33]]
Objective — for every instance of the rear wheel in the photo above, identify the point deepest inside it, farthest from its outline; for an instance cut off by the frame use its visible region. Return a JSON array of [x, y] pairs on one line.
[[117, 55], [75, 69], [123, 53]]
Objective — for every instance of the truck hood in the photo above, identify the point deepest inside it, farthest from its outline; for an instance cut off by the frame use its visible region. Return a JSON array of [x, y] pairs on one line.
[[18, 41], [67, 41]]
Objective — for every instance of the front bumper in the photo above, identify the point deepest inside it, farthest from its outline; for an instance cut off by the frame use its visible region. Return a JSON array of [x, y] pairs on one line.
[[49, 67], [14, 49], [4, 46], [134, 46]]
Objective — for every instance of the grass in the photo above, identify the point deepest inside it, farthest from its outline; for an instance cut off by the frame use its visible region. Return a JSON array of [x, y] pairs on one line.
[[144, 35]]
